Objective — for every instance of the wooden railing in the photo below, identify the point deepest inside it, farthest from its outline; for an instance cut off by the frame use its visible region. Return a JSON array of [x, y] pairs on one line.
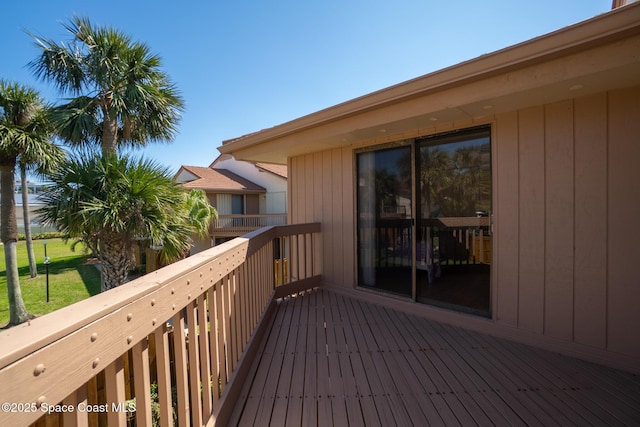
[[190, 329], [246, 223]]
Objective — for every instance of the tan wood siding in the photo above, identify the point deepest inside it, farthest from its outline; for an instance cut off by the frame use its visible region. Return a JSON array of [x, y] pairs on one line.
[[327, 220], [590, 297], [252, 204], [624, 221], [309, 179], [506, 235], [322, 187], [348, 208], [566, 212], [531, 209], [559, 218]]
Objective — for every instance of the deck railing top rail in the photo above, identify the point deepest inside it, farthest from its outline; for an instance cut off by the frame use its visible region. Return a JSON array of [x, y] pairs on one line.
[[51, 358]]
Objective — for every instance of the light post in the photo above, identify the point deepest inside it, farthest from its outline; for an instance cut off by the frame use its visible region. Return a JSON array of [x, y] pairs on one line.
[[47, 260]]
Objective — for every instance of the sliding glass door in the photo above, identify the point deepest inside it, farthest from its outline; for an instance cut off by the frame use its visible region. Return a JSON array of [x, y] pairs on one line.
[[424, 220], [385, 244], [453, 256]]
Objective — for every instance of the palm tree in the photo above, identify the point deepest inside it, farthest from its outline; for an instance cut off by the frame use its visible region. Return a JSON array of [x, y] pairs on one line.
[[200, 212], [40, 167], [109, 203], [199, 216], [23, 135], [33, 270], [119, 95]]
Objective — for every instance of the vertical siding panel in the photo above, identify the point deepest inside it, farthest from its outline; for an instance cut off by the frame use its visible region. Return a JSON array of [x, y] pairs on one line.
[[300, 199], [302, 192], [531, 219], [291, 183], [293, 194], [348, 215], [328, 272], [318, 209], [318, 182], [506, 219], [338, 219], [590, 221], [297, 201], [301, 195], [559, 259], [309, 177], [624, 214]]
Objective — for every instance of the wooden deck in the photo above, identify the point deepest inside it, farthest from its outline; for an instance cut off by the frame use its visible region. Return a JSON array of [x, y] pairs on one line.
[[335, 360]]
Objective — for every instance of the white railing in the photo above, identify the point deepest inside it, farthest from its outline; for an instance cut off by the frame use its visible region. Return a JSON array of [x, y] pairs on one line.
[[246, 223]]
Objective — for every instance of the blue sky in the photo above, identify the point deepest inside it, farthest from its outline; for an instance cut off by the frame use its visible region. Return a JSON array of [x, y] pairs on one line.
[[246, 65]]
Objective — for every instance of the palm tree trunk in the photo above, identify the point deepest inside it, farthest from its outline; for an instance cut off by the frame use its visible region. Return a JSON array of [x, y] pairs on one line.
[[33, 269], [109, 135], [115, 260], [9, 235]]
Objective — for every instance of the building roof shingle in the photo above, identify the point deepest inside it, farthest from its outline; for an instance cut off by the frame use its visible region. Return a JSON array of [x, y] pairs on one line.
[[280, 170], [219, 180]]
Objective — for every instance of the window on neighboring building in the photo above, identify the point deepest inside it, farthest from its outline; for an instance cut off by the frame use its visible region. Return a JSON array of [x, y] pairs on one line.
[[237, 204]]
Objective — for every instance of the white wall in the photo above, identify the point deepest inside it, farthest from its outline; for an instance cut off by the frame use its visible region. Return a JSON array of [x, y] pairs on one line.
[[276, 186]]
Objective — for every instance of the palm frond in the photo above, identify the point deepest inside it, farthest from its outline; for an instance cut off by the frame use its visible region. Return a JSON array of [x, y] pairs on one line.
[[133, 101]]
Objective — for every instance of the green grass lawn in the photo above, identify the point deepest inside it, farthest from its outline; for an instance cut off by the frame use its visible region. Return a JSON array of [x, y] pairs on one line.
[[70, 278]]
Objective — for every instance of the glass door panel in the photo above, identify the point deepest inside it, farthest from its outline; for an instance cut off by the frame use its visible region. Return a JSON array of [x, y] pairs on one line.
[[385, 244], [453, 248]]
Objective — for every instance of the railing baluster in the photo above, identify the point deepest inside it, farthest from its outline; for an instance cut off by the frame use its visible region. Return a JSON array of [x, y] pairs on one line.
[[141, 382], [205, 370], [243, 304], [295, 257], [253, 295], [228, 346], [264, 278], [163, 372], [255, 284], [93, 399], [238, 315], [213, 342], [309, 255], [481, 245], [182, 382], [287, 267], [220, 322], [194, 366], [233, 319], [114, 384], [225, 349], [76, 418]]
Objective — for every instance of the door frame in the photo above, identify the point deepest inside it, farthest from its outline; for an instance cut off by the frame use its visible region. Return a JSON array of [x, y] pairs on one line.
[[413, 144]]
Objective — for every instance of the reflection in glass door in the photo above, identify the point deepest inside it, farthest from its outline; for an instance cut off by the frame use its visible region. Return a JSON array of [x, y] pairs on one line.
[[453, 234], [385, 245]]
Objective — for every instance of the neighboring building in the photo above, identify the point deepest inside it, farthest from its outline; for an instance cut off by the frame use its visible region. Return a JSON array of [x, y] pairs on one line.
[[247, 196], [272, 177], [500, 194], [35, 203]]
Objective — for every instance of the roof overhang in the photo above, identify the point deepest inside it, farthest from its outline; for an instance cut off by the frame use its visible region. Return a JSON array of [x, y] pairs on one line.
[[599, 54]]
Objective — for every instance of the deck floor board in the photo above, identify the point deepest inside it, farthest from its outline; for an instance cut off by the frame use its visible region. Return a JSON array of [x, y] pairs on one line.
[[333, 360]]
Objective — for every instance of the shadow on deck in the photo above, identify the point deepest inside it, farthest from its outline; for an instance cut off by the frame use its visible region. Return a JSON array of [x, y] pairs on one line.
[[335, 360]]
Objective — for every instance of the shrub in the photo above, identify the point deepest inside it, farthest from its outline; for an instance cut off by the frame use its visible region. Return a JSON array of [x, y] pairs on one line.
[[43, 236]]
